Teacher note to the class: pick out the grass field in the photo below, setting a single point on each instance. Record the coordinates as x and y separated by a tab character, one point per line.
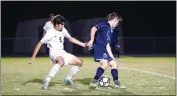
141	75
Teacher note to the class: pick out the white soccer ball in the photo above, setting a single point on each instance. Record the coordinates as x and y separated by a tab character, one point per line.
104	81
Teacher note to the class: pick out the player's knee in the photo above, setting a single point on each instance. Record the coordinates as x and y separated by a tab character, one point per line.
113	64
77	62
80	62
104	64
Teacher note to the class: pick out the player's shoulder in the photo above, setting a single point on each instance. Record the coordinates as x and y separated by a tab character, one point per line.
65	30
102	24
51	31
48	22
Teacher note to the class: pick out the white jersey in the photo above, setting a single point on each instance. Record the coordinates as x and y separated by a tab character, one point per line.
48	25
55	39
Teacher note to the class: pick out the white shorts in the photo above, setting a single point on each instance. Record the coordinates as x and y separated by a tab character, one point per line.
66	56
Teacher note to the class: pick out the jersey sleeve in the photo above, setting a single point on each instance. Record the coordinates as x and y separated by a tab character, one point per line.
48	36
67	35
108	36
99	25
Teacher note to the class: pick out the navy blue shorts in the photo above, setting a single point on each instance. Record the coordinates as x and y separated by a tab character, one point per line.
100	52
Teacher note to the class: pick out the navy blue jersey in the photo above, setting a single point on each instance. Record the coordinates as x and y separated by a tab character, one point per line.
103	34
102	38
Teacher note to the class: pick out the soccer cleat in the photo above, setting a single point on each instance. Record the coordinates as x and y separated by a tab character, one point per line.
45	84
94	83
70	82
119	85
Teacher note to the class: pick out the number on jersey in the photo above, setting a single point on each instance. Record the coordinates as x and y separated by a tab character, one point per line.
60	39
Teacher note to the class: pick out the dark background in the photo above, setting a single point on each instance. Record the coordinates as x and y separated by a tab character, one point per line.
140	19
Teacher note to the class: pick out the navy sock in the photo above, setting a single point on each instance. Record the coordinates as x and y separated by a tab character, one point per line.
114	73
99	72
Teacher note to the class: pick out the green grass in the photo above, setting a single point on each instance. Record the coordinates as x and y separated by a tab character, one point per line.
20	78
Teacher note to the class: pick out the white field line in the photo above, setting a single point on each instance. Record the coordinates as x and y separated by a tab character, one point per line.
149	72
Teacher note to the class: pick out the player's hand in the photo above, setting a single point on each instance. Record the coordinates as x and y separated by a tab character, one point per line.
90	45
87	46
30	61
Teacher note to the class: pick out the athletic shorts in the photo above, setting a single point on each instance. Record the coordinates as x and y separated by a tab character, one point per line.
100	53
66	56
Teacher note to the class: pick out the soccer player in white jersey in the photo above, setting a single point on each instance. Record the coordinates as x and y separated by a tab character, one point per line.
55	37
48	25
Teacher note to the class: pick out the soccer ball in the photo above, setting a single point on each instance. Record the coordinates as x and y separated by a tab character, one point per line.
104	81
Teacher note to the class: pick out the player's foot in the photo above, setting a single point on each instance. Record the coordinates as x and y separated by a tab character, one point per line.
119	85
94	83
45	84
70	82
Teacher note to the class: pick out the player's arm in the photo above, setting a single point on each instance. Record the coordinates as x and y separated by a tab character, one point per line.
46	37
108	48
92	36
72	39
75	41
36	50
108	41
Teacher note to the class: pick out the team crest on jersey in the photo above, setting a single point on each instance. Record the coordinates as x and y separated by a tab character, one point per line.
105	55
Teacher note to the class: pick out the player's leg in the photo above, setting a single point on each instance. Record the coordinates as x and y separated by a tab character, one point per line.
53	71
76	62
100	55
52	61
114	72
99	72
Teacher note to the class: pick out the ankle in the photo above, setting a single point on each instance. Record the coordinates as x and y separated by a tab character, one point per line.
48	78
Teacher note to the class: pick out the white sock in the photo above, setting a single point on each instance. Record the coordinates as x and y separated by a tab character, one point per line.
52	72
73	72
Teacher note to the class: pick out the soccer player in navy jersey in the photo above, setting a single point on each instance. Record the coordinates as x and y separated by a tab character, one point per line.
100	40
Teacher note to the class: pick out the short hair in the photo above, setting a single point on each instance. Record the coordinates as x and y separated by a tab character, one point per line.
113	15
58	19
50	16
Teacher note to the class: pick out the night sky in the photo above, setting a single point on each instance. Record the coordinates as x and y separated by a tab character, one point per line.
141	18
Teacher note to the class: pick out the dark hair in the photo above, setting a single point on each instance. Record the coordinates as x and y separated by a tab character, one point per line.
50	16
113	15
58	19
